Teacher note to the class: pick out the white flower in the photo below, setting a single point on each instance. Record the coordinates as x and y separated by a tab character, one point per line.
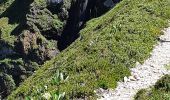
46	87
47	96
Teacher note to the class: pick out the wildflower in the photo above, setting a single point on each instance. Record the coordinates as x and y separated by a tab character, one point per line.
47	96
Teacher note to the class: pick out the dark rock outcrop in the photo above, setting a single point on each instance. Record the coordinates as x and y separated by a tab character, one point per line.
6	84
35	47
54	2
80	12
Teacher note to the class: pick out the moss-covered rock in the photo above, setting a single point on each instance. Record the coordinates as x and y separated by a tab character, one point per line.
35	47
42	20
16	71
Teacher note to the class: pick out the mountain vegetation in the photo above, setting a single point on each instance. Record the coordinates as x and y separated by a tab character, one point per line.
69	48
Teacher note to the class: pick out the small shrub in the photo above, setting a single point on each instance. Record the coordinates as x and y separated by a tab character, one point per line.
42	91
163	83
5	32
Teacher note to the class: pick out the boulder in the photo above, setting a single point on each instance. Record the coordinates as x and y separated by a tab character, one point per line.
35	47
7	84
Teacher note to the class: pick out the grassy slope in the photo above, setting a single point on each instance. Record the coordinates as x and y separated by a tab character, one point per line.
106	49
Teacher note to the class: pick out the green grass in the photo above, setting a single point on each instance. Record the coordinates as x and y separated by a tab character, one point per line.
107	47
167	66
5	32
161	91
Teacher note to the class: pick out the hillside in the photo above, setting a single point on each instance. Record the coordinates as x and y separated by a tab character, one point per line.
48	43
106	48
34	31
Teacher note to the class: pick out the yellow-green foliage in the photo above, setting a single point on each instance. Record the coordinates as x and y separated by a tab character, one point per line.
5	4
40	2
107	47
167	66
5	31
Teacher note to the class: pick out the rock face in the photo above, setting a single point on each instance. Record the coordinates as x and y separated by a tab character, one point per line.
47	22
80	12
25	45
36	48
54	2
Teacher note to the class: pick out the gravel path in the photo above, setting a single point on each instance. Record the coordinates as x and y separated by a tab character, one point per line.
143	76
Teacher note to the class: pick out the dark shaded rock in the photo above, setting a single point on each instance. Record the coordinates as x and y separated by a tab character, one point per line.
80	12
54	2
35	47
13	72
41	19
109	3
7	84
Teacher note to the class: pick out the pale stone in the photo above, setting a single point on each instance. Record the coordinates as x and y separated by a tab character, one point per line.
132	78
125	79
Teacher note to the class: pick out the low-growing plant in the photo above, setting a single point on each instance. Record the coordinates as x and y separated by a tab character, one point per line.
59	78
163	83
42	91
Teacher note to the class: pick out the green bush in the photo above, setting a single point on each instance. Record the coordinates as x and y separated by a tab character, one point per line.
163	83
5	32
42	91
141	95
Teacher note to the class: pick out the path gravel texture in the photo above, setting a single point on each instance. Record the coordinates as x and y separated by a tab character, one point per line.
142	76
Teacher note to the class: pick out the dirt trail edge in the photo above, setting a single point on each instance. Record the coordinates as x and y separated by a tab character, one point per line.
145	75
